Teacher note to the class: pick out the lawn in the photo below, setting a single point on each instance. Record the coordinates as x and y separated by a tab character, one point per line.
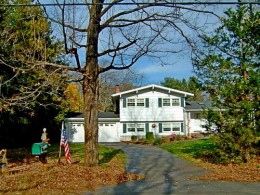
193	150
33	177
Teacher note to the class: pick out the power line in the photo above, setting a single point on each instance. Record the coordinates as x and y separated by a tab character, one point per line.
131	3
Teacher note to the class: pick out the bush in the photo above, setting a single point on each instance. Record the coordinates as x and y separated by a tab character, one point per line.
134	138
149	136
157	141
166	139
172	137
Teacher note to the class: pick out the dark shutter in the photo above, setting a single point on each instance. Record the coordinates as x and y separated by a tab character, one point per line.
182	127
124	128
182	101
124	102
146	127
147	102
160	127
159	102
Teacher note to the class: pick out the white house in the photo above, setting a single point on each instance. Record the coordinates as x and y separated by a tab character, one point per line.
153	108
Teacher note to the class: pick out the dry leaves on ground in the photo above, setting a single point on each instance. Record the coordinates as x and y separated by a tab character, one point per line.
249	172
56	179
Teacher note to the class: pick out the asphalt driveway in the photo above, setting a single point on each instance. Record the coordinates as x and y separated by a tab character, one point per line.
167	174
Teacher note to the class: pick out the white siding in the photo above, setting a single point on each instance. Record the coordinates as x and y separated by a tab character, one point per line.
153	112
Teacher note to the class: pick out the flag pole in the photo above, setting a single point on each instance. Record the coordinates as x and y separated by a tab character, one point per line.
62	127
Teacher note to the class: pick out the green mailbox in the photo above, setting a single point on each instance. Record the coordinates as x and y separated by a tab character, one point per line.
39	148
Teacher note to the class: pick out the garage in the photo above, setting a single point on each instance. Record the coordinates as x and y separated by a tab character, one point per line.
107	124
108	132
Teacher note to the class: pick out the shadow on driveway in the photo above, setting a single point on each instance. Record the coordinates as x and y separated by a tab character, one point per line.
167	174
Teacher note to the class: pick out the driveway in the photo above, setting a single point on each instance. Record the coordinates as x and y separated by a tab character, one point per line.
167	174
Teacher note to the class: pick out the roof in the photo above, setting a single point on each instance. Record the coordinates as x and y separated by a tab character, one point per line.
198	105
152	87
103	115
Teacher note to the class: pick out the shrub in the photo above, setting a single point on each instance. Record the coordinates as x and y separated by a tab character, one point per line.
157	141
149	136
172	137
166	139
134	138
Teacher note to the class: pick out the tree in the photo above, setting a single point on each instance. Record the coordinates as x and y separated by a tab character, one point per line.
126	80
28	90
191	86
74	97
120	33
228	69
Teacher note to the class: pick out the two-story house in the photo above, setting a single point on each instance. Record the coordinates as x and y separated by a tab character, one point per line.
151	108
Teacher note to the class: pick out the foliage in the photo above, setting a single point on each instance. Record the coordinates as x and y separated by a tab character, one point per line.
228	69
134	138
149	136
73	94
31	94
190	85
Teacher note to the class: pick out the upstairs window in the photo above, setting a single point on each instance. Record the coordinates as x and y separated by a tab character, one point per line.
166	101
131	102
140	102
175	102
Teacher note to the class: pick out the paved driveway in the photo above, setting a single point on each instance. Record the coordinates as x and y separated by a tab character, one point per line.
166	174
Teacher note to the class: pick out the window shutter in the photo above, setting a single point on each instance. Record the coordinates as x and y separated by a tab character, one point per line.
147	102
146	127
124	128
159	102
182	127
160	127
182	101
124	102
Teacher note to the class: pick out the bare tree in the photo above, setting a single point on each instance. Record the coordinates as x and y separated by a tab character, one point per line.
120	32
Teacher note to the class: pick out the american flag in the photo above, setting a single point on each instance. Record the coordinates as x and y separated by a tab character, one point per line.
64	143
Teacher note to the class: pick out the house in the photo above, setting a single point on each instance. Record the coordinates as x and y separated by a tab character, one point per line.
153	108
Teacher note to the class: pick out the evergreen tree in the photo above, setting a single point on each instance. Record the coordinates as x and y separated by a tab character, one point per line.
30	94
228	69
191	86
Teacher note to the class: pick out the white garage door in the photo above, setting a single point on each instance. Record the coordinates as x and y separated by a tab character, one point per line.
108	132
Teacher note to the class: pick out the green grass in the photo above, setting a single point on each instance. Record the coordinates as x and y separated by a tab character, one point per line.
190	150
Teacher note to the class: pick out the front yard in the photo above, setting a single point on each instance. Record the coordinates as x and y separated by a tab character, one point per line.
193	151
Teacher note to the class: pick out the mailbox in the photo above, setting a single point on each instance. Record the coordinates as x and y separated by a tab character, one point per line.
39	148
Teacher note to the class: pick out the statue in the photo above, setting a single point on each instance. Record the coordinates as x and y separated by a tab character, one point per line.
44	136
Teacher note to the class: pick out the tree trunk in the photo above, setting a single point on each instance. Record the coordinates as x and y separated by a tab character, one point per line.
91	87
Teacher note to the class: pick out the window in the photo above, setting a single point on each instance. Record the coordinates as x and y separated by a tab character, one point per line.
140	102
139	127
135	102
166	126
130	102
176	127
166	102
131	127
175	102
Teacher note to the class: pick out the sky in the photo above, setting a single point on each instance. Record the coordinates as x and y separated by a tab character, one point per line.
180	68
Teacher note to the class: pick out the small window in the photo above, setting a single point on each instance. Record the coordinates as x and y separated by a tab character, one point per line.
175	102
131	127
166	102
140	102
130	102
166	127
140	127
176	127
